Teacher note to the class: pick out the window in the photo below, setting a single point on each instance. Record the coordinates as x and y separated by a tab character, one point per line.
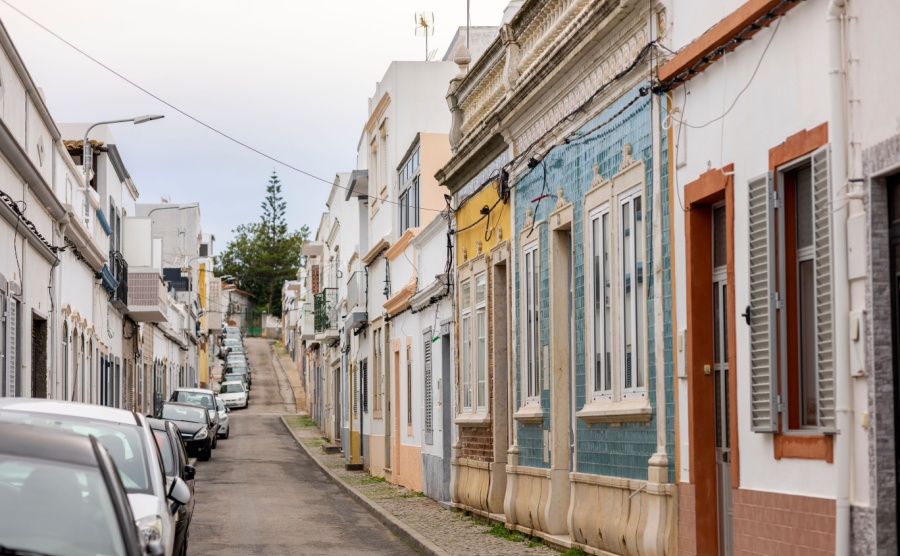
364	378
532	339
65	361
792	373
465	366
408	180
376	361
631	233
429	386
481	341
601	313
409	389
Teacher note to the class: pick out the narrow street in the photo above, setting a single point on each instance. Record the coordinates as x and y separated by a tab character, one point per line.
261	494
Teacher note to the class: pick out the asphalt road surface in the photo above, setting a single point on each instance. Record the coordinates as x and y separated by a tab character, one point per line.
260	494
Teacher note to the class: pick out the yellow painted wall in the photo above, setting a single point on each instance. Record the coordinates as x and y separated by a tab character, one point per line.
203	371
470	212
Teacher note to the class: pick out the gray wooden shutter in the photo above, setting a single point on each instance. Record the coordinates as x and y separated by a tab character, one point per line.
763	306
824	317
12	346
429	387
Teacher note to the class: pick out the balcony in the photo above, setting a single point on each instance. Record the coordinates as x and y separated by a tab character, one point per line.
307	322
119	267
356	301
146	296
326	313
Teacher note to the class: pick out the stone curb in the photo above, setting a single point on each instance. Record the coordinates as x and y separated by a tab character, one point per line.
417	541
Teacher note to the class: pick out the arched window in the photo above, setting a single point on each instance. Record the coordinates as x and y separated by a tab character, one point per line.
89	372
82	371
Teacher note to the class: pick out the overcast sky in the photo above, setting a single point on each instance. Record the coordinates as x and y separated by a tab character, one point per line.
290	77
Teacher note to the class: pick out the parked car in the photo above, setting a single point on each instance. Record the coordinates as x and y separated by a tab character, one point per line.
197	431
231	331
175	464
130	442
235	351
233	394
200	396
238	368
224	421
60	494
240	377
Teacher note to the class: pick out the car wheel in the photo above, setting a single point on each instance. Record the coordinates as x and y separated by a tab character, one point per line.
204	456
215	441
227	432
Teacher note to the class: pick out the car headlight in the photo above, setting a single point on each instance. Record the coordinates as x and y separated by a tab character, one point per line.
151	528
201	435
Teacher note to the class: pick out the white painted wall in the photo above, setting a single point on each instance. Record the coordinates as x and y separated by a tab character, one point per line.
788	94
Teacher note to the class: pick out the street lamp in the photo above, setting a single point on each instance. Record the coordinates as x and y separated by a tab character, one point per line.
87	149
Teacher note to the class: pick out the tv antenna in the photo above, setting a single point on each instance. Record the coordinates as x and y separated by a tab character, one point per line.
425	28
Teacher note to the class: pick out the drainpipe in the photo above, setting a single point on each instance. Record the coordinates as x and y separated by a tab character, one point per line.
837	128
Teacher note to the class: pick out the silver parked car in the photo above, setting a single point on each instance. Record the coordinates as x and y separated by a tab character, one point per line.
129	440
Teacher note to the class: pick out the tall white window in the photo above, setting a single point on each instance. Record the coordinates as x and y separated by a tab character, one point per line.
481	340
465	367
65	362
532	338
601	312
631	234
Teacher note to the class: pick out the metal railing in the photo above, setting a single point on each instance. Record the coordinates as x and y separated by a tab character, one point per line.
326	304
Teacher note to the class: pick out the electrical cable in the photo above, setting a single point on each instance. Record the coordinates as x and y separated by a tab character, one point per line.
184	113
742	91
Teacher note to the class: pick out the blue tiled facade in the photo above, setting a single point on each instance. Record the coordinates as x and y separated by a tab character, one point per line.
620	449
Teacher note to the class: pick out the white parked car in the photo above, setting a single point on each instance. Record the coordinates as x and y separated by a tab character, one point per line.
224	421
129	440
233	394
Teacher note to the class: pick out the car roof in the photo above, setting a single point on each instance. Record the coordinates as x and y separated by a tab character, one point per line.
47	444
183	404
72	409
232	382
194	390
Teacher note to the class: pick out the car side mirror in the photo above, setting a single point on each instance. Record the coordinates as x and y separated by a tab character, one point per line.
227	410
189	472
180	493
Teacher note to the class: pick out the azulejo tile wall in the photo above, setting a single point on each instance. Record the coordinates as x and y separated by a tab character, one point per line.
622	449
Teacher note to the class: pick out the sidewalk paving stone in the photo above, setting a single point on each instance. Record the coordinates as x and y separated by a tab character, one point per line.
436	529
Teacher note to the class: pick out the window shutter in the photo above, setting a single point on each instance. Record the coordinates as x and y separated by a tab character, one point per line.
824	317
364	378
12	346
429	386
763	310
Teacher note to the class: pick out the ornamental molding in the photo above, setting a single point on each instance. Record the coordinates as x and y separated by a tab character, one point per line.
603	73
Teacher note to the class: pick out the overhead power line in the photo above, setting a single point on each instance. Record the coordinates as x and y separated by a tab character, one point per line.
182	112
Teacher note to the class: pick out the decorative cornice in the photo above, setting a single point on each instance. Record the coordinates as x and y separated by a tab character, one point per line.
402	242
434	290
401	300
378	112
380	246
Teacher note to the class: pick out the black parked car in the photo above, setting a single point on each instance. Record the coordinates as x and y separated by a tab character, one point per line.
60	493
175	462
197	431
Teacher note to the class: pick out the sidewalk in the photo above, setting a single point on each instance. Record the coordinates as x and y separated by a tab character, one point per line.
420	521
290	370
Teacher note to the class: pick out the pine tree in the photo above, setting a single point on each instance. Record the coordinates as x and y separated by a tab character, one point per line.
262	255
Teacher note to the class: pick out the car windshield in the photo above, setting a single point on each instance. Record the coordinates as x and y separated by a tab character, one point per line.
234	377
162	440
123	442
184	413
56	508
232	388
197	398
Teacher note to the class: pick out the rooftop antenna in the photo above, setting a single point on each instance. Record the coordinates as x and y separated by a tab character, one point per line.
425	27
